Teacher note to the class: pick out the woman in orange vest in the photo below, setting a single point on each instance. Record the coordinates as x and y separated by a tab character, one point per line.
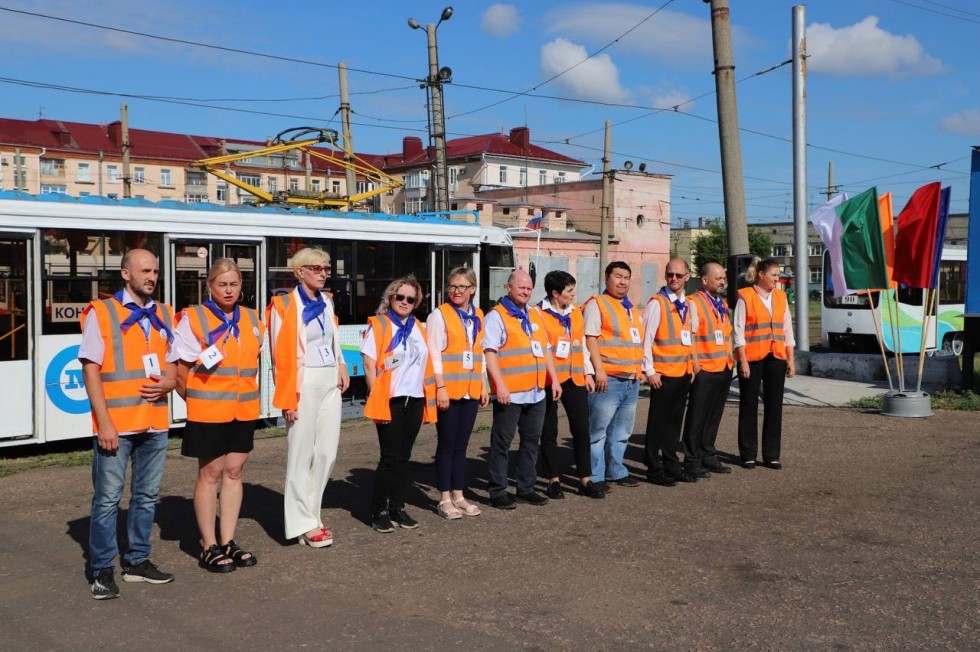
763	340
455	330
310	377
217	345
565	327
402	386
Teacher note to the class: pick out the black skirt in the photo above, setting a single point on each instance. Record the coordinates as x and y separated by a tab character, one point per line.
210	440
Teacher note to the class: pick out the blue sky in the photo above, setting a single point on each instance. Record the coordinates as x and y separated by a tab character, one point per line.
892	84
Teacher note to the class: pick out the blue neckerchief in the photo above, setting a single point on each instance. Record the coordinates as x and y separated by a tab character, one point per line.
719	305
564	320
312	308
517	313
625	301
228	327
404	330
680	305
469	317
136	313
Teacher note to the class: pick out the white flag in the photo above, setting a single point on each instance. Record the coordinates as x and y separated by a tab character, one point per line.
828	227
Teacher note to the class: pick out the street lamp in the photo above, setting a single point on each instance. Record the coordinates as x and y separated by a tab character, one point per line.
437	77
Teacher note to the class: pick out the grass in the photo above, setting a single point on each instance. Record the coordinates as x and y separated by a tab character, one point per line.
945	400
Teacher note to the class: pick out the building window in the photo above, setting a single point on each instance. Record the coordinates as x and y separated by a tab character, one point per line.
112	173
54	190
454	174
816	275
273	184
139	175
221	194
559	177
166	178
52	166
782	250
254	180
84	194
364	186
195	198
196	178
293	184
84	173
523	176
815	249
316	185
503	174
413	205
417	179
335	187
20	180
542	177
506	211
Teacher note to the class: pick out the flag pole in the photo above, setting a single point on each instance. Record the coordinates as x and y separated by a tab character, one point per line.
930	298
896	338
881	339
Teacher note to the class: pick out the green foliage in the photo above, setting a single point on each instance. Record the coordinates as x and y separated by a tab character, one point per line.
712	247
945	400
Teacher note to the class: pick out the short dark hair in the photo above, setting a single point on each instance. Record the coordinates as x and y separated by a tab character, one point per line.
618	264
556	281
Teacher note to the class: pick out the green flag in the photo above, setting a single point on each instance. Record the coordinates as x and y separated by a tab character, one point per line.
862	249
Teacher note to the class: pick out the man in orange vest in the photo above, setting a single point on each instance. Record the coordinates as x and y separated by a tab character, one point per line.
125	340
520	366
713	363
614	337
667	362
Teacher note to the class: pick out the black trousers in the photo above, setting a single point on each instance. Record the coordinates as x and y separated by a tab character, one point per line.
664	422
575	400
396	439
705	407
770	372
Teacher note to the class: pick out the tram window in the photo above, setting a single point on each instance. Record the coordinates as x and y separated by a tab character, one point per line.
14	311
909	295
281	279
952	282
82	266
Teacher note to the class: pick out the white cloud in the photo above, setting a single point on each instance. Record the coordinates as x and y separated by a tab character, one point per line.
866	50
965	122
500	20
595	79
671	98
669	35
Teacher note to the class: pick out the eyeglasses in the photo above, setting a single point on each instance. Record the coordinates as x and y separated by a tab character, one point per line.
409	300
459	288
317	269
675	274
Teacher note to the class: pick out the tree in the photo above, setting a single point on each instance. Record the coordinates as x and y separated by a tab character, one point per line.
712	247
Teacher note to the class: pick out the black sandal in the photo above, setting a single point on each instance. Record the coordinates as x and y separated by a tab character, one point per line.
233	552
211	559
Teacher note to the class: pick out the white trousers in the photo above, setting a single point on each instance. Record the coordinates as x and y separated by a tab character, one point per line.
311	449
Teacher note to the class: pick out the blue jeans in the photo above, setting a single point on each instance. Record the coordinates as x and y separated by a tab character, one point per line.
148	451
611	418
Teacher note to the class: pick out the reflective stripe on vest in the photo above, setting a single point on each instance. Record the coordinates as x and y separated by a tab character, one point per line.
574	365
711	356
670	357
461	382
620	355
522	371
763	334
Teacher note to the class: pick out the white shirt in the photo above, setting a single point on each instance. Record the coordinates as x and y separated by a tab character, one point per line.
406	379
494	339
188	348
435	329
304	343
651	321
738	320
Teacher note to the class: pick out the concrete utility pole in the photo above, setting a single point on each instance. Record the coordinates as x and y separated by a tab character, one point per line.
606	200
830	180
127	179
19	172
731	149
801	263
348	143
101	162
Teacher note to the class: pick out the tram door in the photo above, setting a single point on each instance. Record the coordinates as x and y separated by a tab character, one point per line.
190	259
16	337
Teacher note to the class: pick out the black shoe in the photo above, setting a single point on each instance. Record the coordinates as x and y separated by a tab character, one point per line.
682	476
145	571
591	490
504	501
602	486
382	522
104	585
401	518
698	473
718	468
627	481
774	465
661	480
748	464
554	491
533	498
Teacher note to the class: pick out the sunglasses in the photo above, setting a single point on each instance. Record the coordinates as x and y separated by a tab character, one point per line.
409	300
459	288
675	274
317	269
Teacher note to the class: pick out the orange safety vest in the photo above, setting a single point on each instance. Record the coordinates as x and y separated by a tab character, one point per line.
574	365
711	355
459	381
522	371
285	355
122	366
377	407
763	333
670	356
620	355
229	390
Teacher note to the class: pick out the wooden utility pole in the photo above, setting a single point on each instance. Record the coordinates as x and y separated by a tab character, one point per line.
605	211
124	126
348	143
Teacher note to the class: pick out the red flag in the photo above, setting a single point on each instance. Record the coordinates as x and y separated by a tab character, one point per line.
915	241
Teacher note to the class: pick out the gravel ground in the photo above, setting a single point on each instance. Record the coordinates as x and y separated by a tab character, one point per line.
866	540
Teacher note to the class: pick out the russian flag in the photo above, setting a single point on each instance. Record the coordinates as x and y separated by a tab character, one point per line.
536	222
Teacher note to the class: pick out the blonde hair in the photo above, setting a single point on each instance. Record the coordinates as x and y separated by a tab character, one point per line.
309	256
392	290
222	266
751	272
465	272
